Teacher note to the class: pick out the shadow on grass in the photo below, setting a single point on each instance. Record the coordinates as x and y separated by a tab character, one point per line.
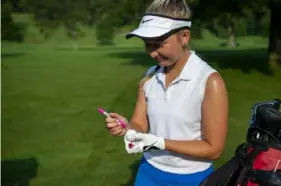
244	60
134	168
11	54
18	172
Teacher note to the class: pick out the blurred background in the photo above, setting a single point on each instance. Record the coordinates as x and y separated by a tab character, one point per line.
61	60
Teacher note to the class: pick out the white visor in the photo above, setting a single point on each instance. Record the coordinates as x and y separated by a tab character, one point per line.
154	26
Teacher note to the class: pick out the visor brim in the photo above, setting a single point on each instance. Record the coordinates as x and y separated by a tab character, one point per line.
152	33
148	32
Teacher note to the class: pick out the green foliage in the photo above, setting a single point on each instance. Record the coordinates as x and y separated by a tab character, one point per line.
245	24
196	30
265	24
104	32
240	27
105	18
219	29
10	30
52	14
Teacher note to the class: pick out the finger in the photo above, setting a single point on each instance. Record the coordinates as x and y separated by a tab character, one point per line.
140	147
117	116
110	120
130	135
114	115
118	128
122	133
116	132
138	137
112	125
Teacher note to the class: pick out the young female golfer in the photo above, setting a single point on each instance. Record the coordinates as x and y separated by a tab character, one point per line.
181	115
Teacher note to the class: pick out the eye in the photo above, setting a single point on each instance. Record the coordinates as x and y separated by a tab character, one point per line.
147	45
163	43
152	45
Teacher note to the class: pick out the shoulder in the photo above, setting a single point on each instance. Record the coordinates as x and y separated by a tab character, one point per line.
215	79
215	85
151	70
202	68
215	95
211	81
148	75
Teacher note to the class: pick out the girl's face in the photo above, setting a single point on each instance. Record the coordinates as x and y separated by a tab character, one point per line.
169	50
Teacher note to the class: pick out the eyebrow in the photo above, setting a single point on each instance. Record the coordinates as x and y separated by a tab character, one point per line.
155	41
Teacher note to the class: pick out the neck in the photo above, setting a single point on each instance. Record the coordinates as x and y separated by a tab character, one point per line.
178	66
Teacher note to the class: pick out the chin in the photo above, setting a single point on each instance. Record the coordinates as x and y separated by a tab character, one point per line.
165	63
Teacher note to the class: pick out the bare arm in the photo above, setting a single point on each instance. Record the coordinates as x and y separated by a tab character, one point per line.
214	124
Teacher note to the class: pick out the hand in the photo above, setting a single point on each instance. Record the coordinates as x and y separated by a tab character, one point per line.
113	124
132	147
142	142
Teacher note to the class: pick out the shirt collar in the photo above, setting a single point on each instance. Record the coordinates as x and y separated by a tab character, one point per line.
190	68
188	71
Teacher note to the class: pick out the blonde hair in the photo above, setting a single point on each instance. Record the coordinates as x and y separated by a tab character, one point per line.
172	8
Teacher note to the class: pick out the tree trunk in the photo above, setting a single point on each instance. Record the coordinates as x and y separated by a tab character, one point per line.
274	47
231	37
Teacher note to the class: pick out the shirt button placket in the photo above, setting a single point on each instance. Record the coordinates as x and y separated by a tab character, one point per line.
168	93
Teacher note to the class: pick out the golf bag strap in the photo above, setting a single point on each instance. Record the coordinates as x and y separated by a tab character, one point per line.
224	174
242	152
264	177
248	163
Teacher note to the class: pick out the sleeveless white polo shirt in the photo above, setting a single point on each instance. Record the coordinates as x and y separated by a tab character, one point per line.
175	113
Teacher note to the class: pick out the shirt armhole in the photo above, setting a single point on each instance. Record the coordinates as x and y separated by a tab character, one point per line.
204	83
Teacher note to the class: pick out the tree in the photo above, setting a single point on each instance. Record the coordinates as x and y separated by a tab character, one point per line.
51	15
114	14
234	8
10	31
274	48
109	15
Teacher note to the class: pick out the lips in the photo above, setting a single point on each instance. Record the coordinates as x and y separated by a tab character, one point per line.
161	59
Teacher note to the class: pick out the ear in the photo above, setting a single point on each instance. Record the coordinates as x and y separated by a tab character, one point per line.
185	35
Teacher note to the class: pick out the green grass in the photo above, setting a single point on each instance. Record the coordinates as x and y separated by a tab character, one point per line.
50	96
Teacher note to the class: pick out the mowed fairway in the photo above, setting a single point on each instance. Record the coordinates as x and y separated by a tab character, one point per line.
50	98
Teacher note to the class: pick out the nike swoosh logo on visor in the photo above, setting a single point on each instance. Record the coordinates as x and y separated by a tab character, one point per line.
144	21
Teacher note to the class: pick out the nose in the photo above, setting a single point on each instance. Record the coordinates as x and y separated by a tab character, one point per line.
153	53
152	49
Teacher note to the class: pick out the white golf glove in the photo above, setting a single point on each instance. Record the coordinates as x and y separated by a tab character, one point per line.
138	142
131	146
